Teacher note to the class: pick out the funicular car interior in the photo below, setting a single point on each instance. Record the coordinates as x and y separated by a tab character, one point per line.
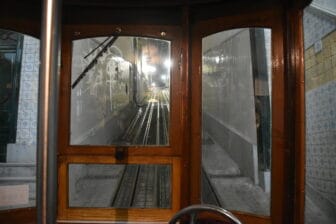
136	100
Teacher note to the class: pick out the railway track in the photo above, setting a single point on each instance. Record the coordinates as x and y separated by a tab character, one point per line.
147	186
149	126
144	186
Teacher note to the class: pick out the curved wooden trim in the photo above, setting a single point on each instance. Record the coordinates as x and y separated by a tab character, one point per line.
21	17
263	18
21	26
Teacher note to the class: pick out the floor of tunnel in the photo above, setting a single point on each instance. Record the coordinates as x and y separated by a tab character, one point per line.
230	189
123	186
314	214
224	185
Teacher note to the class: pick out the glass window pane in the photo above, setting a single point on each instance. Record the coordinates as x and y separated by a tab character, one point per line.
319	22
19	75
236	129
120	91
120	186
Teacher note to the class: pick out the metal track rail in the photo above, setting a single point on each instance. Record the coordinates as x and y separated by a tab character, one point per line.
143	186
149	126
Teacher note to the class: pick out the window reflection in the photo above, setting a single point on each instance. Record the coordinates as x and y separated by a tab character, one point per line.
120	91
236	110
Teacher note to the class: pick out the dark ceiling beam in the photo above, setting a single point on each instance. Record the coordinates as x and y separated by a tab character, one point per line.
139	4
297	4
150	3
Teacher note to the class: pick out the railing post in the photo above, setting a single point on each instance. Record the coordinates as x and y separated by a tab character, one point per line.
47	113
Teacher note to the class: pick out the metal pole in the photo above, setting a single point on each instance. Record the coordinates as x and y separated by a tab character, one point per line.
47	113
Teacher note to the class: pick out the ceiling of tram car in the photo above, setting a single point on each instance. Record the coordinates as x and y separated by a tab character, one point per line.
154	3
31	9
25	16
158	3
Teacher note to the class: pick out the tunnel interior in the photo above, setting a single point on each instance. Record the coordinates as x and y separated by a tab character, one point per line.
120	91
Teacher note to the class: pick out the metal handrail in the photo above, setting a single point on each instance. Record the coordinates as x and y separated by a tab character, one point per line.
194	209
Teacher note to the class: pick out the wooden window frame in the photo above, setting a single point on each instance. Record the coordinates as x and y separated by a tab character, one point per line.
274	20
171	154
66	214
74	32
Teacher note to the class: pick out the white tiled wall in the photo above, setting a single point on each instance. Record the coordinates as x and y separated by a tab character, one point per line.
27	112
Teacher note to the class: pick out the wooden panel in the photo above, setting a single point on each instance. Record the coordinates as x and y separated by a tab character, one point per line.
296	71
21	17
250	218
135	154
66	213
19	216
185	107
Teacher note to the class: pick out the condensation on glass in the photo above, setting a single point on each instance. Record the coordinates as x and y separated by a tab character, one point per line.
120	91
120	186
236	114
19	75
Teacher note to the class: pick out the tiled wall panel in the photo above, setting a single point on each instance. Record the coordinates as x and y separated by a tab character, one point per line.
27	115
24	149
316	25
321	140
320	72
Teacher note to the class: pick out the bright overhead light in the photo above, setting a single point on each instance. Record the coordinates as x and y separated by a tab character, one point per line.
217	59
167	63
148	69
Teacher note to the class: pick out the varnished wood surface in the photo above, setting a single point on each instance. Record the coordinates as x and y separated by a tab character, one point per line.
21	17
185	83
282	153
19	216
250	218
135	154
114	214
296	69
177	124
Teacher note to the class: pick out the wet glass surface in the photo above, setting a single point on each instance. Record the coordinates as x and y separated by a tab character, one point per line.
120	91
120	186
236	128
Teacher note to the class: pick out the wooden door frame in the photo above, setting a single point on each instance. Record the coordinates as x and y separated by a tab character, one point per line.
73	32
173	154
287	109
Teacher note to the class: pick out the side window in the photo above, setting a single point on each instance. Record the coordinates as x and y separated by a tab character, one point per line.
19	75
236	120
